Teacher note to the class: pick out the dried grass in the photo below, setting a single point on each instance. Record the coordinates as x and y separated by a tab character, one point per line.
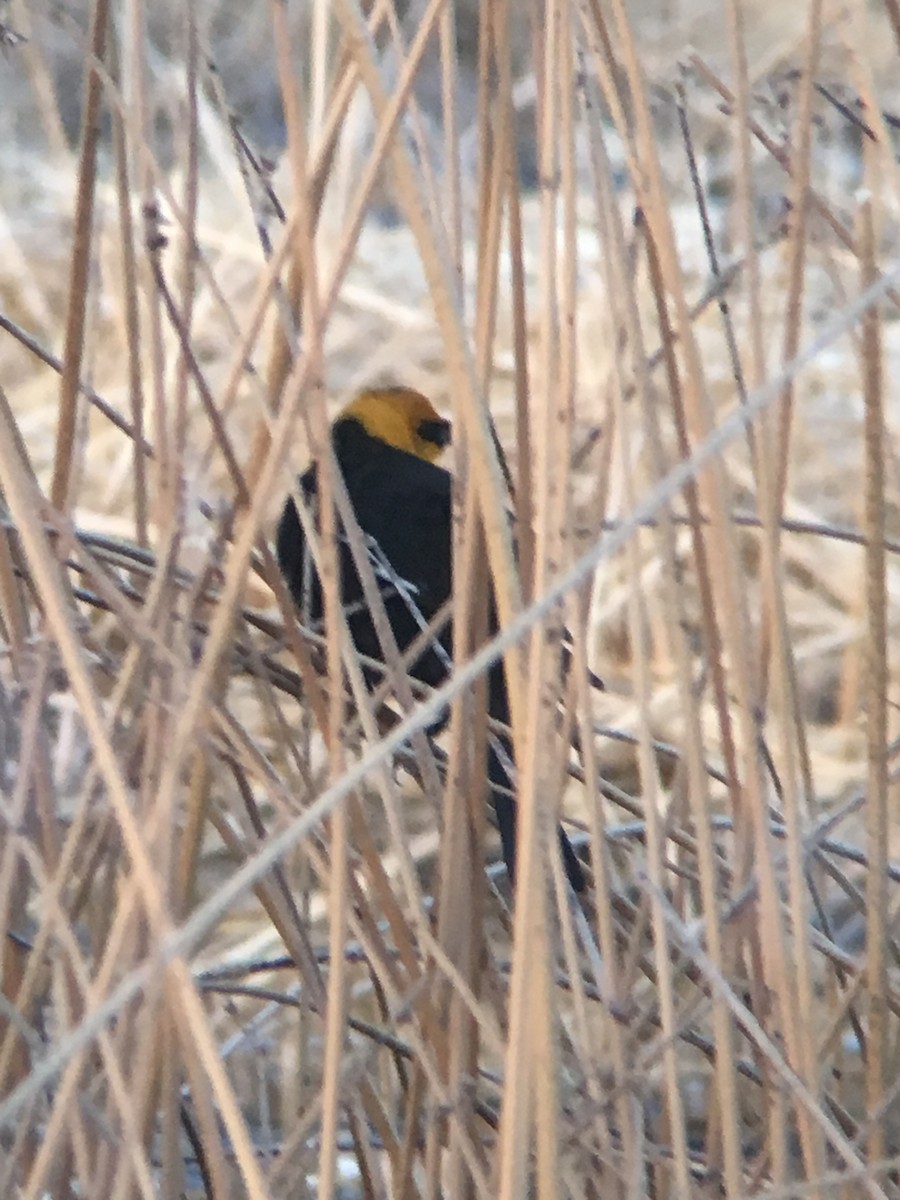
239	959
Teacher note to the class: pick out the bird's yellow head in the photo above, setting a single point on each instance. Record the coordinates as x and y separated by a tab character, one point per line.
403	418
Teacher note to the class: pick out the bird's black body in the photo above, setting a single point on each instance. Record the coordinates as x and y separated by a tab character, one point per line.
403	503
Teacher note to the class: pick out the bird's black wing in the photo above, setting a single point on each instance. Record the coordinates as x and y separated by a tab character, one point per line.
403	505
294	561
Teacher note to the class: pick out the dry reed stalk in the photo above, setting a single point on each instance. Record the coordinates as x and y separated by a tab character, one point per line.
877	664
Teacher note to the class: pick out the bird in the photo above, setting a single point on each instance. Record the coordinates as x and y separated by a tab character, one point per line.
386	442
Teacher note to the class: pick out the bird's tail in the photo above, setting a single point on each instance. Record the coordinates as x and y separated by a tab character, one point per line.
500	760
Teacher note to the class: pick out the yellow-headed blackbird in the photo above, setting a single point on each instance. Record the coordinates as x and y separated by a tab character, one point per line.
386	442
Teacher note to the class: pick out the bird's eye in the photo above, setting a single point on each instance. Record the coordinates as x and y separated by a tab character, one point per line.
437	432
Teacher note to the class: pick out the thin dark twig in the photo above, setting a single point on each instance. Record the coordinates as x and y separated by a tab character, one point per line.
847	112
34	346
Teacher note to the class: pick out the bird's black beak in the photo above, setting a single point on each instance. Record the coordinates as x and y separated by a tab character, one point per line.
436	432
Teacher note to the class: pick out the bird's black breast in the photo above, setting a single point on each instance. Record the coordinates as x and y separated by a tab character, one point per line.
403	503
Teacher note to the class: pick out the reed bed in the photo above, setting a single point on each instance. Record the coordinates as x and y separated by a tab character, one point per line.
256	940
